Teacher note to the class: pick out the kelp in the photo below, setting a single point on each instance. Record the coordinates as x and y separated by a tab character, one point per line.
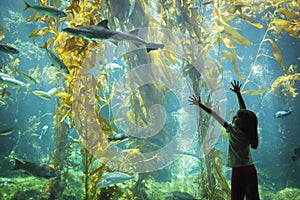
283	17
209	35
286	85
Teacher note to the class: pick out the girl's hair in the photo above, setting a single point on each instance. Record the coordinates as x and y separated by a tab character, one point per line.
249	126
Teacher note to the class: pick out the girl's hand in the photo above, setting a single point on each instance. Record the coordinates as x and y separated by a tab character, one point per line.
236	86
194	100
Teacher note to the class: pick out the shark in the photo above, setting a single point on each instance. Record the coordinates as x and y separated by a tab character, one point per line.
103	33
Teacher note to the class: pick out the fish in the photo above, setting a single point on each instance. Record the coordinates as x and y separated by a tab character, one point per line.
55	90
46	10
297	153
58	63
41	94
111	67
282	113
118	137
112	178
176	195
102	32
27	77
12	82
35	169
5	75
7	131
8	49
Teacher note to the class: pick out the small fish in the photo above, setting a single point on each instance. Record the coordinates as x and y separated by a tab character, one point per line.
102	32
8	49
7	131
55	90
35	169
12	82
49	11
118	137
176	195
297	153
113	66
5	75
58	63
282	113
41	94
208	2
113	178
27	77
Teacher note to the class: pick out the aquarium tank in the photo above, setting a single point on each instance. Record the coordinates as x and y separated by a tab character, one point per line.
94	97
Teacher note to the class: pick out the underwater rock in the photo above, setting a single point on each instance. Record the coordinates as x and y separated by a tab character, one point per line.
288	193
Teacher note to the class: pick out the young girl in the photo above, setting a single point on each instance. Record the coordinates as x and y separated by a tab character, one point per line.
242	133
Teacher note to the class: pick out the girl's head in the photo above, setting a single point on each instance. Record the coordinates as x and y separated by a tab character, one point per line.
246	120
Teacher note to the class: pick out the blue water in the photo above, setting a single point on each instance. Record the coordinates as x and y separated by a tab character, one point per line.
32	118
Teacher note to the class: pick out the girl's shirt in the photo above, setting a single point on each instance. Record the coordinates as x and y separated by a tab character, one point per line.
239	153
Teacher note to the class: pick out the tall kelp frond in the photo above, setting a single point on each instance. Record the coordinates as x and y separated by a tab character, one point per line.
281	15
287	84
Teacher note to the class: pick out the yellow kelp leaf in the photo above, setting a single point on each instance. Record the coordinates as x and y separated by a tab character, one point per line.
16	63
250	21
234	35
285	85
42	32
230	112
1	32
67	114
171	57
218	162
63	95
236	70
233	56
228	43
218	12
277	55
110	96
255	92
35	17
288	13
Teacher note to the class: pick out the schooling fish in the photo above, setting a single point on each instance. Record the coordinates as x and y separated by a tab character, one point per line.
35	169
50	11
102	32
41	94
8	49
118	137
12	82
27	77
7	131
112	178
58	63
179	195
282	113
